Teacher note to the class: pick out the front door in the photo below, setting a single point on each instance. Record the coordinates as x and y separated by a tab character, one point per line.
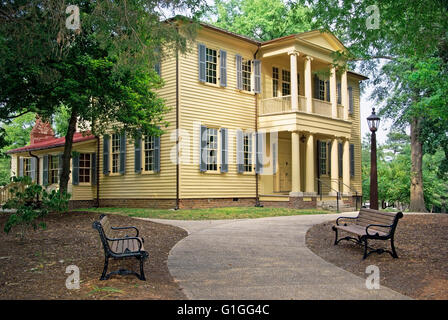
284	164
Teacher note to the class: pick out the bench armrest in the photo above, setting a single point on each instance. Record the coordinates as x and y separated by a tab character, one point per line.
337	220
123	228
128	238
376	225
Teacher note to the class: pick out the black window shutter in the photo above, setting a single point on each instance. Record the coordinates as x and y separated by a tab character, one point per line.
138	155
21	167
33	169
75	169
203	149
201	57
106	146
327	84
45	170
223	68
157	154
350	100
122	153
329	144
239	151
352	160
259	153
316	86
339	93
318	158
224	150
340	150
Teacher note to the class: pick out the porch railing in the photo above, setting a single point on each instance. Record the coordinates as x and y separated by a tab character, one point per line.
5	192
283	104
320	182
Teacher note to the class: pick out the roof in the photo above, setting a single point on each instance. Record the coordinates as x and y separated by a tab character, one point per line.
53	143
262	43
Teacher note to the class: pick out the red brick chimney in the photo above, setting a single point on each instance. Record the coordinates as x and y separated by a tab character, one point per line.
41	131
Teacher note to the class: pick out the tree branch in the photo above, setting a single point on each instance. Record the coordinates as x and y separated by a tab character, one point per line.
18	115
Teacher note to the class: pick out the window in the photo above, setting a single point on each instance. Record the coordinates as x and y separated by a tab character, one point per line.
247	152
27	167
84	167
247	72
115	153
274	81
211	65
149	150
323	158
53	169
321	89
212	149
286	83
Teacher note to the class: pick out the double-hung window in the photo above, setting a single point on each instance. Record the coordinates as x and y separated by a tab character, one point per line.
323	157
247	74
211	65
321	89
286	83
149	153
53	169
275	81
115	153
27	167
212	149
84	167
247	152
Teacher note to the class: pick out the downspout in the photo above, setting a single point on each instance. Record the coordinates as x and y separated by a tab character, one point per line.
177	129
257	196
97	204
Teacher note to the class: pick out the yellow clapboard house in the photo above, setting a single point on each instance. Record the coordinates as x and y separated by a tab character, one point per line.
274	123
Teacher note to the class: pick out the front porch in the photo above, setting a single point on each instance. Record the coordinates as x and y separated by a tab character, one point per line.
307	170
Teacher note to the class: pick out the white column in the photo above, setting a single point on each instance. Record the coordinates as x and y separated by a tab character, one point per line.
294	88
310	168
295	165
346	167
333	98
308	84
334	165
344	94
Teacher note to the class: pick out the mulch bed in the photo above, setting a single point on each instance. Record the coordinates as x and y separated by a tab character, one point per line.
421	272
35	268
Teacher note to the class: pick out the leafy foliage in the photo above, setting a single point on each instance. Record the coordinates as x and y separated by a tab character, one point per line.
394	163
28	210
261	19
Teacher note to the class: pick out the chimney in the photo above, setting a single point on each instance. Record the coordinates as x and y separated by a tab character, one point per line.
41	131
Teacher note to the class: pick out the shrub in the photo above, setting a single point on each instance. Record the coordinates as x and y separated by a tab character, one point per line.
31	203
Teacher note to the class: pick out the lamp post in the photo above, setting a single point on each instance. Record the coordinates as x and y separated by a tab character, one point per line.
373	120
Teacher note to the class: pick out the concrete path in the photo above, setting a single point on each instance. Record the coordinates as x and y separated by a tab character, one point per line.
260	259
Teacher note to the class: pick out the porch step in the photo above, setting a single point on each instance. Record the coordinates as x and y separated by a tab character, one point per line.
332	205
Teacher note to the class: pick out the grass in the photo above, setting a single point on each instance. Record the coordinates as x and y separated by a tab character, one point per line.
207	214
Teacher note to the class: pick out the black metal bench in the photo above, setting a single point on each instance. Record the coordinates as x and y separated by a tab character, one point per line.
120	248
369	224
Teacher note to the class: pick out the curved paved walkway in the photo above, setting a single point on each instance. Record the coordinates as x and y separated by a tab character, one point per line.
260	259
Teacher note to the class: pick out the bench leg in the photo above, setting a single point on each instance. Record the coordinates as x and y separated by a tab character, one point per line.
365	249
336	236
394	253
103	275
142	272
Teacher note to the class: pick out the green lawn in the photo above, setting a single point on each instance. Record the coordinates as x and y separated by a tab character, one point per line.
206	214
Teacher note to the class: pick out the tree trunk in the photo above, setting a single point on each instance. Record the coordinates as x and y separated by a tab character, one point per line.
65	175
417	200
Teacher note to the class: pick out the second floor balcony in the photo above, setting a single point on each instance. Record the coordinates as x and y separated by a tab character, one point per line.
284	104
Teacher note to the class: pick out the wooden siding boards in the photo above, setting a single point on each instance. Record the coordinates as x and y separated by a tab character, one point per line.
143	185
217	107
355	117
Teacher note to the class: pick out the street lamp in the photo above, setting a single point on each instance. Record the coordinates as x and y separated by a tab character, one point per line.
373	120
